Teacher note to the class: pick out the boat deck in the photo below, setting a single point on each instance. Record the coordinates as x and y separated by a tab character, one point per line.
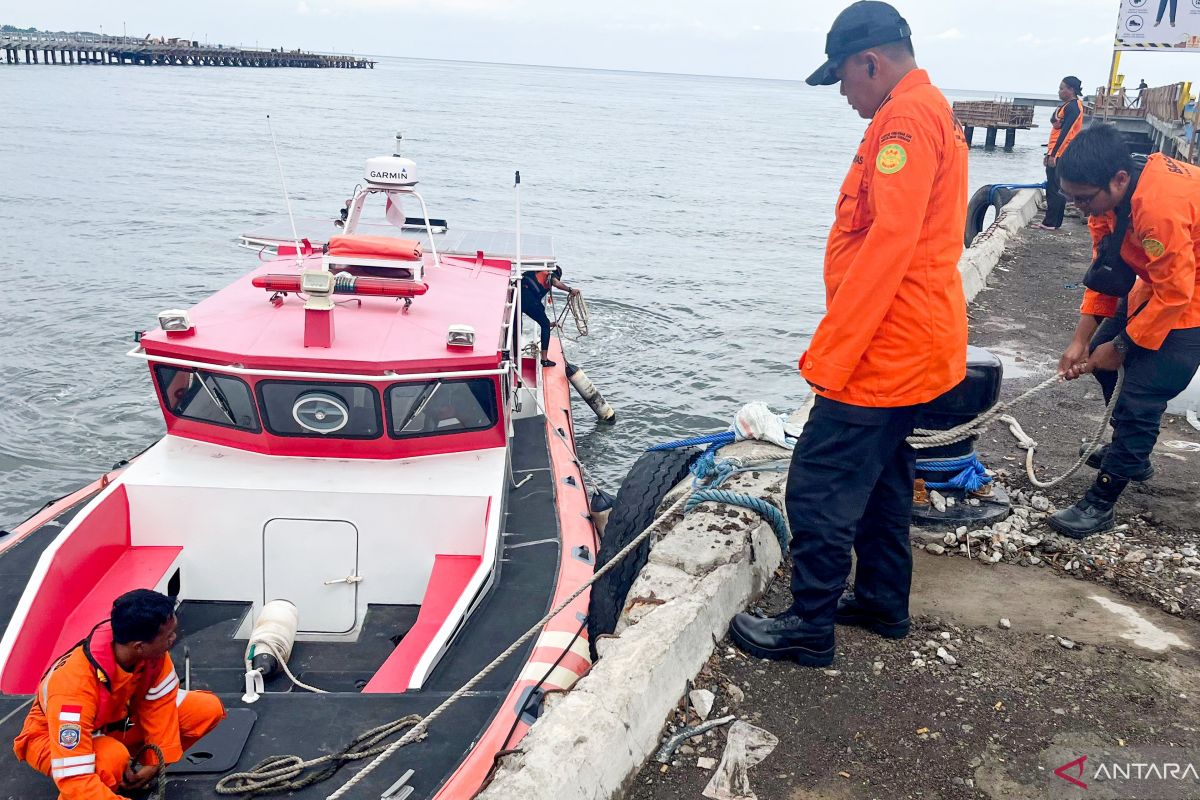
310	725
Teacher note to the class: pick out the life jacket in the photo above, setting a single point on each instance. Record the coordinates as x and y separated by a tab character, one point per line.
536	284
1057	133
97	649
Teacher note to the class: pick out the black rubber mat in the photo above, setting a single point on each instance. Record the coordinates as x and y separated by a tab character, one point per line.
310	725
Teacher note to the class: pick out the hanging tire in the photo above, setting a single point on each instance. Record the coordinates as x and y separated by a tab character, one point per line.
654	474
979	206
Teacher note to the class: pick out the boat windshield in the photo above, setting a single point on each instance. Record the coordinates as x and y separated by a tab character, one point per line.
207	397
436	407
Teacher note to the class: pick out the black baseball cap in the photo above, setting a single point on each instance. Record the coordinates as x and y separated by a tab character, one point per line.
859	27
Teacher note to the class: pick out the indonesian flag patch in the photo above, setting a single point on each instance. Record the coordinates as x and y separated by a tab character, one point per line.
69	713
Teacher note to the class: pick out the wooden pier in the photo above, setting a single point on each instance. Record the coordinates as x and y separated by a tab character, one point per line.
92	48
994	115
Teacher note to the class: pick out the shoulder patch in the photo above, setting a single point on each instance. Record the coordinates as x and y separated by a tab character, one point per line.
68	735
891	158
1153	247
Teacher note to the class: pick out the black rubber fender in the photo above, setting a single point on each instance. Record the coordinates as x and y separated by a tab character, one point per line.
978	207
654	474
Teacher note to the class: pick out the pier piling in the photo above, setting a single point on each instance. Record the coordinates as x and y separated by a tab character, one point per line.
91	48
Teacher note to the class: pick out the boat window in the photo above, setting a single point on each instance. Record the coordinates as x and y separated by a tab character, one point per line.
434	407
320	410
207	397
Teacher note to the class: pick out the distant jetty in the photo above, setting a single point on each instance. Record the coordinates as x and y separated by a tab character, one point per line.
39	47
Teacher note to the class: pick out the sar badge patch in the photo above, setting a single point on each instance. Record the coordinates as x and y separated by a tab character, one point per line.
891	159
68	736
1153	247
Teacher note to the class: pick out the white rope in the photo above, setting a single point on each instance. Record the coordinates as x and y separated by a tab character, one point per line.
270	647
924	438
1093	444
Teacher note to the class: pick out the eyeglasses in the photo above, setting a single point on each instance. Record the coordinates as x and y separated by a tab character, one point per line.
1083	200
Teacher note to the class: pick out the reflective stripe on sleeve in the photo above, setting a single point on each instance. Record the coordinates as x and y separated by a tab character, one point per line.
73	761
71	766
179	697
168	683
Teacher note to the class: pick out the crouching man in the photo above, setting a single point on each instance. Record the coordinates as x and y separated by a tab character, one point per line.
109	695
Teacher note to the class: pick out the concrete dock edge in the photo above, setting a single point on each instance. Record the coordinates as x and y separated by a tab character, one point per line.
978	260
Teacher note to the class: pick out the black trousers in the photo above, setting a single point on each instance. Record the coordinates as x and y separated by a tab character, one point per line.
1152	379
1056	203
535	309
850	488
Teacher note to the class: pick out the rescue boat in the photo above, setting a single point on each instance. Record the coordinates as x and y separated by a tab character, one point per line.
359	453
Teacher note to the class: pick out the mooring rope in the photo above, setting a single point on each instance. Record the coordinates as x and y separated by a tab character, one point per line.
277	774
923	438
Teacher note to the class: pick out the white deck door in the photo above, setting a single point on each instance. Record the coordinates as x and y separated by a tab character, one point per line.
314	564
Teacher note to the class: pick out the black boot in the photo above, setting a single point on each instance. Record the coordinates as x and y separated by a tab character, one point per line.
1096	459
851	612
1094	513
783	636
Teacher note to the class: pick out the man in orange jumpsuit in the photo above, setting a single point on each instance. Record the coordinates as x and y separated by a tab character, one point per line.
894	336
113	692
1145	227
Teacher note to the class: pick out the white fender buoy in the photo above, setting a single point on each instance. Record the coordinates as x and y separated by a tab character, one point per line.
591	395
273	636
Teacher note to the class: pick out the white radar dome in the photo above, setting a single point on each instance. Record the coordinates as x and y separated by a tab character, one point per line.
393	171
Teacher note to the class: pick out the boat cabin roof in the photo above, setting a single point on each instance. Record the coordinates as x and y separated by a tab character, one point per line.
240	324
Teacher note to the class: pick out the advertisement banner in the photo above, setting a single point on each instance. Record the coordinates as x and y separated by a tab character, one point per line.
1159	25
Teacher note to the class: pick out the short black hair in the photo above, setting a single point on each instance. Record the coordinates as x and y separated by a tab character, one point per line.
1095	156
897	49
138	616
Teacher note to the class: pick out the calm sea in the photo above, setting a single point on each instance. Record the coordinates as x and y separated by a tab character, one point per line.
692	211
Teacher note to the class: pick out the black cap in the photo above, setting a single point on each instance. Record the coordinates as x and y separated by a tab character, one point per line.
859	27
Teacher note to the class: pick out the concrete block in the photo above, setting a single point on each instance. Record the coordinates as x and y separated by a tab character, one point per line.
656	584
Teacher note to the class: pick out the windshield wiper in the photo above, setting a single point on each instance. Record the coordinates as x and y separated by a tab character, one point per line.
419	407
217	396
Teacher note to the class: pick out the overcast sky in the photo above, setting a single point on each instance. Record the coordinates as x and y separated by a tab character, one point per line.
1003	47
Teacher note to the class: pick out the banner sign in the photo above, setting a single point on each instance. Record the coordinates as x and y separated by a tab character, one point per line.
1172	25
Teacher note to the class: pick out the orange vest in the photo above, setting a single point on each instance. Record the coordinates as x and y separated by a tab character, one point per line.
1057	132
895	329
1163	248
87	690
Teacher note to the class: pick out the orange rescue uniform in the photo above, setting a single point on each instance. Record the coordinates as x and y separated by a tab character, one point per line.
1053	148
1162	247
74	731
895	333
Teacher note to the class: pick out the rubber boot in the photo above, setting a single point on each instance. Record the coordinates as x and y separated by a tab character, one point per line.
1094	513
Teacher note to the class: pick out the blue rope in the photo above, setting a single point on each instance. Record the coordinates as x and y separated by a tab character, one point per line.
766	510
971	475
725	437
995	186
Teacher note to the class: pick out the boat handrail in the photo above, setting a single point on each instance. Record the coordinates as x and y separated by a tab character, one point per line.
390	376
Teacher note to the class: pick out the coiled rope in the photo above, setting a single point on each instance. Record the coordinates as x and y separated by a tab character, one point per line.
277	774
576	306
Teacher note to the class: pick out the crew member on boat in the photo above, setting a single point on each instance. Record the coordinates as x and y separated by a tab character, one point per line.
534	288
1141	310
111	694
894	336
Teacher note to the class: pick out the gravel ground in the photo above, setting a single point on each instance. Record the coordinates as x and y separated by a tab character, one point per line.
1034	651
